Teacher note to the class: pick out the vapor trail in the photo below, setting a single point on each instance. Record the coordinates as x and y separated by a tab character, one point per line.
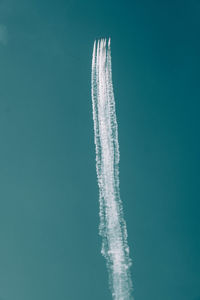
112	225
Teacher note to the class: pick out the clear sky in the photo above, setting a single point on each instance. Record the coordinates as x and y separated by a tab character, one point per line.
50	248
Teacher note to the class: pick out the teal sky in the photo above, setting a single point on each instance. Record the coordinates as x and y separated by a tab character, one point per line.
50	248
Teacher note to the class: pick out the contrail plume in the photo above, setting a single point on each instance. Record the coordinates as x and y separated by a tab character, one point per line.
112	226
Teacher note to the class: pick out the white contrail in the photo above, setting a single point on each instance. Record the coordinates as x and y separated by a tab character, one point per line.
112	225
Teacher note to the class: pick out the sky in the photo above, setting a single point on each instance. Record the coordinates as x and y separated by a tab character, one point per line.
50	247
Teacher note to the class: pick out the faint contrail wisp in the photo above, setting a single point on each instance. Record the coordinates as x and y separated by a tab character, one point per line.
112	224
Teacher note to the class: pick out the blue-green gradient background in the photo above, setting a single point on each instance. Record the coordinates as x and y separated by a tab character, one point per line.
49	243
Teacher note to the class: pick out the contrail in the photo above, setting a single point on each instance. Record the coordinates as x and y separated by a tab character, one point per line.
112	224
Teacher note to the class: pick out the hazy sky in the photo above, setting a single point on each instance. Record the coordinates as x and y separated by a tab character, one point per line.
50	248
